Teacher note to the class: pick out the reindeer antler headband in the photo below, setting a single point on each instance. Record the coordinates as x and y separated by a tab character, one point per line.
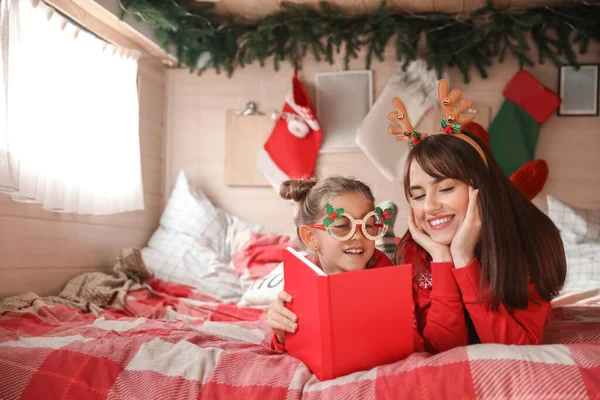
451	122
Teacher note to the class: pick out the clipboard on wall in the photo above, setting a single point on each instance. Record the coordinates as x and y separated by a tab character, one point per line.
244	137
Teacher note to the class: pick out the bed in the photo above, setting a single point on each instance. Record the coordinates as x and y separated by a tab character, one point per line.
142	333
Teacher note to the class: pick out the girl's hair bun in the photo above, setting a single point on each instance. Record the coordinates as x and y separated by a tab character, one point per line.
296	189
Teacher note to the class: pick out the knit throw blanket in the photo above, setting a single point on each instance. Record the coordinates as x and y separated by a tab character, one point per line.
90	291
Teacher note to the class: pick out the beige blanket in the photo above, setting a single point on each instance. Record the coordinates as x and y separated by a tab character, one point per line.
90	291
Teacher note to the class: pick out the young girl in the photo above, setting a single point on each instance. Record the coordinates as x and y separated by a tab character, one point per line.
508	258
338	244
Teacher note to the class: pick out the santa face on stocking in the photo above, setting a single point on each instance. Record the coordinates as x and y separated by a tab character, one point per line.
291	150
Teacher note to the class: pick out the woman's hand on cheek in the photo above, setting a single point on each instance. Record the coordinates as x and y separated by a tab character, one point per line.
438	252
467	236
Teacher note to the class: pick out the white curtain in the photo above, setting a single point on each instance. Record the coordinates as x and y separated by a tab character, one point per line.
69	115
9	165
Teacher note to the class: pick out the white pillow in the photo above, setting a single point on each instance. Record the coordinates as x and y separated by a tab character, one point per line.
190	245
176	257
264	291
190	212
580	232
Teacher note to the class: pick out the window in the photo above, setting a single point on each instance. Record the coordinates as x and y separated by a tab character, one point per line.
69	115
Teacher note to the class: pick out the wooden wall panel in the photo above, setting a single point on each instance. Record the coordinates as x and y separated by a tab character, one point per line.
40	280
30	242
196	135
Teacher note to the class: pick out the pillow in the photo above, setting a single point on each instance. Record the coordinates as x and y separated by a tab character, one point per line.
176	257
259	254
189	212
238	234
580	232
191	244
264	291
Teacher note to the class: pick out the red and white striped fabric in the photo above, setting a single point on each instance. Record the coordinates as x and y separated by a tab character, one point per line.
204	350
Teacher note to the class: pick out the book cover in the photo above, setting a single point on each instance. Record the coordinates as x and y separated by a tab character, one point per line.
350	321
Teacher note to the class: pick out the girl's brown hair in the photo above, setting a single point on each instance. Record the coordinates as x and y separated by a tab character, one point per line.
518	242
312	196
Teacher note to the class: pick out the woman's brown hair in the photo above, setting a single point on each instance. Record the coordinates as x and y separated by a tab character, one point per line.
518	242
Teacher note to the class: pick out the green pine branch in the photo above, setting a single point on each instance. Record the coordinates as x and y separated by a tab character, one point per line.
476	41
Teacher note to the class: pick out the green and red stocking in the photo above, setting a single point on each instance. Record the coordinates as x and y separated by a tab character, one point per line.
515	129
513	134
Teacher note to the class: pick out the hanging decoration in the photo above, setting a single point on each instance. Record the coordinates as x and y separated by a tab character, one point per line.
468	41
292	148
515	129
418	85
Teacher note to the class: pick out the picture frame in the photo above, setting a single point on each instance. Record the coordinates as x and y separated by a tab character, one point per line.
578	89
343	100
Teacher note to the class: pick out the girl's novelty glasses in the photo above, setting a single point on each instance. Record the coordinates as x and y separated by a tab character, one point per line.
342	226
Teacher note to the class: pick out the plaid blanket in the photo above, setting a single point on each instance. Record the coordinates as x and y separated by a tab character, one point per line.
57	352
158	340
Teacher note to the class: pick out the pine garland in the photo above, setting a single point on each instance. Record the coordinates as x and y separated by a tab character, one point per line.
474	40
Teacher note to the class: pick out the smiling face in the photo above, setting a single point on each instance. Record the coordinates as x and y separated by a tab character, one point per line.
349	255
439	204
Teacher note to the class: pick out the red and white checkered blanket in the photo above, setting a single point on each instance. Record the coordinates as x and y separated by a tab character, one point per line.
198	349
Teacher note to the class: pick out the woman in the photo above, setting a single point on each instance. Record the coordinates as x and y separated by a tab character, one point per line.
507	255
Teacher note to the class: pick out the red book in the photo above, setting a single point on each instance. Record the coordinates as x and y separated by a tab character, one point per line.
351	321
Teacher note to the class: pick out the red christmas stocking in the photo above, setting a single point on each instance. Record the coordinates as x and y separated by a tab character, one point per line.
291	150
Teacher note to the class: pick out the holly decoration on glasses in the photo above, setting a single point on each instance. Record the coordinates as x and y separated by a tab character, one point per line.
386	215
332	214
449	128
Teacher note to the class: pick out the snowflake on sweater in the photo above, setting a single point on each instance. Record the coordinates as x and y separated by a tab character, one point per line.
425	280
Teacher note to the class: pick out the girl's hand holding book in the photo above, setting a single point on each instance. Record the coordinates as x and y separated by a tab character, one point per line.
280	318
